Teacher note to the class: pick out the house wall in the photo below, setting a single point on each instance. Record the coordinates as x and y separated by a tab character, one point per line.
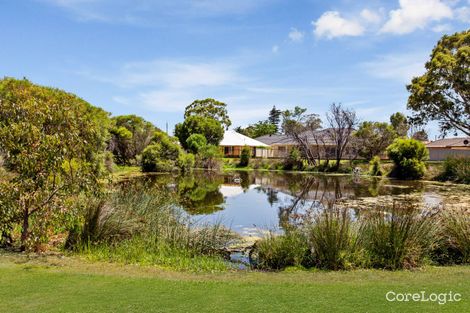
440	154
235	151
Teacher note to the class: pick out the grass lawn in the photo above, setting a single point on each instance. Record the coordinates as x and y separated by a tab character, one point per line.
55	284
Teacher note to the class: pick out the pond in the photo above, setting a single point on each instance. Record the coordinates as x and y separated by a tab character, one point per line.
252	202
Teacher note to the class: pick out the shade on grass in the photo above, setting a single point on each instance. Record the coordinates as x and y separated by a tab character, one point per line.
88	288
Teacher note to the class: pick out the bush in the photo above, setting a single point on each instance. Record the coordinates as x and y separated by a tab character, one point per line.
210	158
454	247
186	162
245	156
399	237
332	239
456	169
277	252
294	161
162	155
196	142
408	156
374	167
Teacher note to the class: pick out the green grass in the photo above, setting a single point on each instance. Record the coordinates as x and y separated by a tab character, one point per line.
55	284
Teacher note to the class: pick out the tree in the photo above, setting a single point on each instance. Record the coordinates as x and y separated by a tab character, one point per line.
209	108
54	144
420	135
259	129
303	129
245	156
372	138
399	124
161	155
341	122
210	128
129	137
275	118
196	142
443	92
408	156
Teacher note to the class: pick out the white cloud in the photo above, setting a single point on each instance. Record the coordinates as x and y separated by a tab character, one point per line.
275	49
463	14
442	28
370	16
398	67
415	14
331	25
295	35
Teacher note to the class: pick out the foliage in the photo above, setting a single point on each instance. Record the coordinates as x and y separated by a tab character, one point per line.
209	108
210	128
275	118
186	162
456	169
209	158
137	223
374	167
455	243
258	129
196	142
130	135
54	143
294	160
372	138
443	92
408	156
275	252
420	135
245	156
398	237
161	155
400	124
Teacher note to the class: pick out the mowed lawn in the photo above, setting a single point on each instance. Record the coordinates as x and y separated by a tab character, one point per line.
71	285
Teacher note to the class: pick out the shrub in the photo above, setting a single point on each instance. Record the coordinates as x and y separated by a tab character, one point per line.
454	247
186	162
245	156
398	237
210	158
374	167
456	169
408	156
162	155
277	252
294	161
332	238
196	142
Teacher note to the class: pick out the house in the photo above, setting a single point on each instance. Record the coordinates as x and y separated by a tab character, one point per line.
233	143
441	149
281	145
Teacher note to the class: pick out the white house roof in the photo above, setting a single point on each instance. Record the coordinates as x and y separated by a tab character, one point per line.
232	138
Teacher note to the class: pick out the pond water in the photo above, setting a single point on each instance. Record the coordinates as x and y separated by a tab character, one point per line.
253	202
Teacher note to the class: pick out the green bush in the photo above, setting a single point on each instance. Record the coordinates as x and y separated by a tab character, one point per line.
186	162
294	161
374	167
456	169
162	155
454	247
408	156
196	142
398	237
245	156
276	252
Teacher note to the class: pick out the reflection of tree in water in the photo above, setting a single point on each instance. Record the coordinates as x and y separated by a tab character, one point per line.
200	194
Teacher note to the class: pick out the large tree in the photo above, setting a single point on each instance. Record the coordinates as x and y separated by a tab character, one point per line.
372	138
206	126
209	108
53	143
258	129
275	118
130	135
443	92
400	124
341	124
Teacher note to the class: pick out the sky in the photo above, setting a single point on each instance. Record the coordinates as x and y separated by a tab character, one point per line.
153	58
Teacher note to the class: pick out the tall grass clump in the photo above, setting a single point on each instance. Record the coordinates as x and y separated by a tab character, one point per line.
456	169
332	238
276	251
136	223
454	245
401	236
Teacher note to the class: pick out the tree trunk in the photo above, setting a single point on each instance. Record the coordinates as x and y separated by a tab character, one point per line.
25	230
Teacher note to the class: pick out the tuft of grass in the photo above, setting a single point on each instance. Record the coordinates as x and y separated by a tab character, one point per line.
454	245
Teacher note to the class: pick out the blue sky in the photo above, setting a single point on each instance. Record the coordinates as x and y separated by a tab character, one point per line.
153	58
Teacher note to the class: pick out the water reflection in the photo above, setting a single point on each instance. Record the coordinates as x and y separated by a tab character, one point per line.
247	201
